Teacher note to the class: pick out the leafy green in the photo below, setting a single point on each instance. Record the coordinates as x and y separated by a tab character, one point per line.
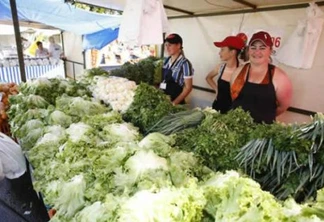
176	122
59	118
77	107
50	89
71	199
169	204
148	107
141	72
117	132
218	138
231	197
99	121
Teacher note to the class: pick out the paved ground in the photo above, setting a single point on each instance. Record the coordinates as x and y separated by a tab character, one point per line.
19	202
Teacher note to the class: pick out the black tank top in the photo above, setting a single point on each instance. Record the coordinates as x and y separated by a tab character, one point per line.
258	99
223	100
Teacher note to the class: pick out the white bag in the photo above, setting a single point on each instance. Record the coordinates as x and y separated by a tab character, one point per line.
12	160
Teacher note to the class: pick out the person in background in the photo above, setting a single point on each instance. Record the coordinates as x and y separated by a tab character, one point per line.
259	87
177	70
230	49
55	51
41	51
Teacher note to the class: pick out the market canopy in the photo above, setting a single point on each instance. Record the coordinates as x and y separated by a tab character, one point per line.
57	14
66	17
192	8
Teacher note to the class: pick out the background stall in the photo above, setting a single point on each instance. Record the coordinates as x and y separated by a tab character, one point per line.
201	22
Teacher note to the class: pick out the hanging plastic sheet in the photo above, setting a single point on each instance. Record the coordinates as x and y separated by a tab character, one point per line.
143	23
100	39
300	48
60	15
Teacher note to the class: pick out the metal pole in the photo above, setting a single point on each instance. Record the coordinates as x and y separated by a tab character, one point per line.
64	60
162	47
83	56
18	40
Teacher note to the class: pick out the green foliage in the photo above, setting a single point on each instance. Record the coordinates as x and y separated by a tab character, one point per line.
143	71
176	122
218	138
148	107
49	89
286	159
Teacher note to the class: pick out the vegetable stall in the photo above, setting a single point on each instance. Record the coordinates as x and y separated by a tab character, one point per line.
112	147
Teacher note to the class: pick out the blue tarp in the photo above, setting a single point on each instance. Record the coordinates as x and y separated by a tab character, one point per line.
66	17
100	39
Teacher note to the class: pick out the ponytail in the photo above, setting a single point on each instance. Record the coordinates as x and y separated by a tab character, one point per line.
243	55
238	53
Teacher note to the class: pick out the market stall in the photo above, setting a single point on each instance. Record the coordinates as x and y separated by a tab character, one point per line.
112	147
127	157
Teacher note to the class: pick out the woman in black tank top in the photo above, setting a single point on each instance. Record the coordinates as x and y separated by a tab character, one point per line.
259	87
230	50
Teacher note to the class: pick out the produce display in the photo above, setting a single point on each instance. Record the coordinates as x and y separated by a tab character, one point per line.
116	91
6	90
142	72
136	157
148	107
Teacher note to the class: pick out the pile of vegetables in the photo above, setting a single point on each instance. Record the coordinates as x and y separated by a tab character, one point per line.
148	70
49	89
287	159
148	107
143	71
93	163
6	90
218	139
176	122
116	91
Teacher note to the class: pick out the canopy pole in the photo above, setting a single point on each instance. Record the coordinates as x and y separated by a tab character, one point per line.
15	20
162	46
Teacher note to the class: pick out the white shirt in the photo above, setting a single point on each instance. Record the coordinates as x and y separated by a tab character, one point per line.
42	53
12	160
55	50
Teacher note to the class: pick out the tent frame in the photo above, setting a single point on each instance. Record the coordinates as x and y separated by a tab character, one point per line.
263	9
15	20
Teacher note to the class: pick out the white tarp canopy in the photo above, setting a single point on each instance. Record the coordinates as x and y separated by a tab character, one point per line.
199	7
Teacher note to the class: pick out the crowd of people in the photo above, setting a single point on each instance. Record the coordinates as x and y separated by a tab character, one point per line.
245	78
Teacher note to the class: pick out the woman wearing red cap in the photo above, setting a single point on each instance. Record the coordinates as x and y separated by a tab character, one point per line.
177	71
231	47
259	87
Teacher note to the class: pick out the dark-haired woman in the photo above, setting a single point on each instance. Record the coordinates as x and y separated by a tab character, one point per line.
230	49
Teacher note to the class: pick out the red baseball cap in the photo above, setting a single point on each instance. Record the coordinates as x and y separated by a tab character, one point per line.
263	37
231	41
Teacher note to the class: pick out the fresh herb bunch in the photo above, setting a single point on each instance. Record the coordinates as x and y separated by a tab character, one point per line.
272	155
174	123
143	71
148	107
158	72
90	73
218	139
272	148
286	160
